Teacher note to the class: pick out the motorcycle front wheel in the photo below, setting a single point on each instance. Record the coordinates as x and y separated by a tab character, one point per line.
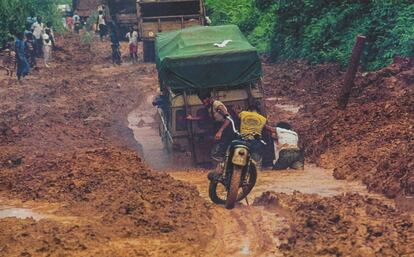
218	193
234	187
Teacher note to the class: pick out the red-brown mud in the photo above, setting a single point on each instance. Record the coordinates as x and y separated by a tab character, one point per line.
66	154
372	140
65	140
344	225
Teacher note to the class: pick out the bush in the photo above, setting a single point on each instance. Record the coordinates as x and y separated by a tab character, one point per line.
322	30
13	14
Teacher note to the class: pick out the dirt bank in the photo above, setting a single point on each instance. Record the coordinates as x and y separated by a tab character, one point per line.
375	134
64	139
67	155
344	225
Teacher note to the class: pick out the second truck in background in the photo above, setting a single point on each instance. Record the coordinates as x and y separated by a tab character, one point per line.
153	16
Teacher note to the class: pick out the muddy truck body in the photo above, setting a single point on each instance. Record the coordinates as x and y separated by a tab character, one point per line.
156	16
214	58
150	17
86	8
124	13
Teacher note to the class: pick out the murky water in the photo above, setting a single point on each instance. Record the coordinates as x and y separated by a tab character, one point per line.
20	213
311	180
293	109
405	203
143	123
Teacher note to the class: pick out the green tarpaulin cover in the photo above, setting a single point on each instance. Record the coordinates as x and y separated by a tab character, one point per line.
189	58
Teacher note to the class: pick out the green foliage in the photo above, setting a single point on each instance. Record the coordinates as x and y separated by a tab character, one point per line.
244	14
92	20
13	14
322	30
86	38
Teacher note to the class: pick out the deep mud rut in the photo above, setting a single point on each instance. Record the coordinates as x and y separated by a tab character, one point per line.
86	182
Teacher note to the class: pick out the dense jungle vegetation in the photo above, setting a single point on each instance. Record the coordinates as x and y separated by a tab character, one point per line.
13	14
315	30
322	30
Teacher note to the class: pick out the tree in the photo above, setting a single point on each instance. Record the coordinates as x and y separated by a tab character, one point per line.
13	14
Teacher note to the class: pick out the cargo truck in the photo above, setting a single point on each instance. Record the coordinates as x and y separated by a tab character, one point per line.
216	58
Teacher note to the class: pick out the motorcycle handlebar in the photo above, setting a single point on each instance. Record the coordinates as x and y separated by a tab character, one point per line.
228	117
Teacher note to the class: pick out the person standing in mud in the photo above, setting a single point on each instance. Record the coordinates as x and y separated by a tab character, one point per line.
47	47
116	53
76	23
132	37
52	35
101	25
38	31
30	50
287	151
223	132
23	67
30	20
69	23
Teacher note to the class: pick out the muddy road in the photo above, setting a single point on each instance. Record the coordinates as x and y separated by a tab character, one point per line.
83	173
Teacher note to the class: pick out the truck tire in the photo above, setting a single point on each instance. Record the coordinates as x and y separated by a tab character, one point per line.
149	51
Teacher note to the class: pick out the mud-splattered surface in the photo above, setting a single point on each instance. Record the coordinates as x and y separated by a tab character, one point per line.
345	225
74	181
65	140
372	140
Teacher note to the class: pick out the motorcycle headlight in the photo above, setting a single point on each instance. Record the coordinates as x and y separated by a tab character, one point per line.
240	156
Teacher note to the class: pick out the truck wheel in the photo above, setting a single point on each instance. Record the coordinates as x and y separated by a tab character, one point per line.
149	51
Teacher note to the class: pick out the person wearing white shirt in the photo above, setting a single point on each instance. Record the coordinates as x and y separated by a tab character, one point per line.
132	37
76	22
287	151
101	25
38	30
47	47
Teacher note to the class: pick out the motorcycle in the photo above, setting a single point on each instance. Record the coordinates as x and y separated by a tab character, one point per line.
239	171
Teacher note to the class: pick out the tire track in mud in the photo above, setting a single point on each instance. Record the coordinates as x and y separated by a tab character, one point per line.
244	231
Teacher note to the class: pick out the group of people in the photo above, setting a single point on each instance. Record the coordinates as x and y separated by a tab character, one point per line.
253	124
36	42
132	37
74	23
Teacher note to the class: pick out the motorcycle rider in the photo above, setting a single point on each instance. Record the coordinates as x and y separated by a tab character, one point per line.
223	132
252	124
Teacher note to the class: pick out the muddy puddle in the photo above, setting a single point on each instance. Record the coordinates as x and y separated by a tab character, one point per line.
311	180
144	124
276	102
20	213
405	203
10	208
